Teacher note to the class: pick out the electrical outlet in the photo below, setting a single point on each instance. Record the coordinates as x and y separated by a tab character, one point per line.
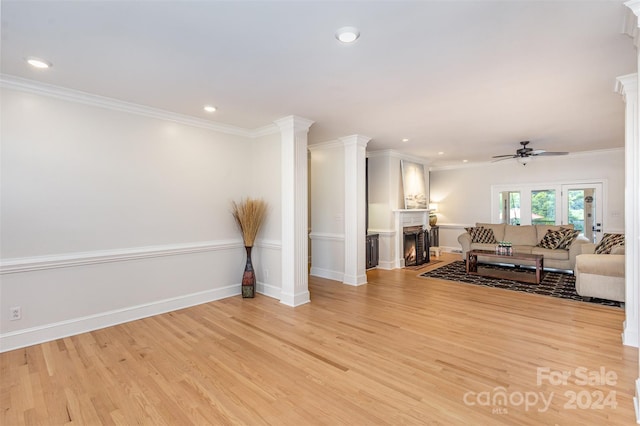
265	273
15	313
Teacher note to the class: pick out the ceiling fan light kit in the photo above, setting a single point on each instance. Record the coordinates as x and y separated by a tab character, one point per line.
524	160
525	154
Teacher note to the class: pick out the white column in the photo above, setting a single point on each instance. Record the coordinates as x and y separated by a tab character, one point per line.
631	93
355	229
295	279
628	87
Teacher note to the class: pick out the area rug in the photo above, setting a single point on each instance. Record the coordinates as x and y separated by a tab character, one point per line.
555	284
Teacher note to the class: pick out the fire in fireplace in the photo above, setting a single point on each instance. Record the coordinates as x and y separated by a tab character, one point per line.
416	245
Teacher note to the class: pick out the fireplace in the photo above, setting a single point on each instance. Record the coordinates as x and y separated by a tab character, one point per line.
415	245
413	220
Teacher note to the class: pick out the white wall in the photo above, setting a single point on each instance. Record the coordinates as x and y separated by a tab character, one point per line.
327	210
464	194
382	201
108	216
265	184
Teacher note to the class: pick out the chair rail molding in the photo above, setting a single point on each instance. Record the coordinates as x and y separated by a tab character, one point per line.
69	260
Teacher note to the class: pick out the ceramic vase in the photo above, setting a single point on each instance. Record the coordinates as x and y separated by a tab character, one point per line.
249	277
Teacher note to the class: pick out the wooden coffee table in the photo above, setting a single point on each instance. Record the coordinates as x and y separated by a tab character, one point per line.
538	259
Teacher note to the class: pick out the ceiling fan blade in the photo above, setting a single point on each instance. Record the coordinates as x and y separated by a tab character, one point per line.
523	154
552	153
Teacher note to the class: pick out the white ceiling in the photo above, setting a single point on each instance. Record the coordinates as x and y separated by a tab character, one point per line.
471	79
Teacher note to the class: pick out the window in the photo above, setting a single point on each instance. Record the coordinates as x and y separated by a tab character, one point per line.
576	208
510	207
543	207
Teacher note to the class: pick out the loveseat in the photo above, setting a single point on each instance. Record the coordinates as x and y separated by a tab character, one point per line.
525	239
601	275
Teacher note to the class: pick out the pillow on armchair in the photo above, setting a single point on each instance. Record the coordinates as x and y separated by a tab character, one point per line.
619	249
608	242
569	236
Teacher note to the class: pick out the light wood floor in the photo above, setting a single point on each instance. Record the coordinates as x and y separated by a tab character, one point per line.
400	350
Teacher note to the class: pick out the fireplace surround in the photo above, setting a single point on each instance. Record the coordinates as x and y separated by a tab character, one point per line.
413	219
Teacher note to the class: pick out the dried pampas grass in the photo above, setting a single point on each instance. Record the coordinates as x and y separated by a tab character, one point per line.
249	215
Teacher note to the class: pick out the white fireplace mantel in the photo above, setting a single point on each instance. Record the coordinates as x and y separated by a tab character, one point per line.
403	218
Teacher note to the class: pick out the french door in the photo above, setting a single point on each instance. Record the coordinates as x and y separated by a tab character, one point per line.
580	204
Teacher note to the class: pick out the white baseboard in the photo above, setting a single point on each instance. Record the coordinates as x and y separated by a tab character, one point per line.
41	334
355	280
268	290
294	300
326	273
386	265
448	249
629	335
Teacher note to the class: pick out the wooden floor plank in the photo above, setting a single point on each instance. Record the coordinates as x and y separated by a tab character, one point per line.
399	350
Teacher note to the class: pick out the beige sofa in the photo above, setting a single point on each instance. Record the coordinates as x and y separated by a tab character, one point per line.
524	239
600	275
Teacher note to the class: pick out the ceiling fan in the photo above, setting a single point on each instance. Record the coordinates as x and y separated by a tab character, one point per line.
524	154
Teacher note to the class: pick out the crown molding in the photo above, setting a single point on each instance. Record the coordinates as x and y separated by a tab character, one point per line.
359	140
627	84
269	129
634	5
38	88
493	163
294	122
325	145
390	153
631	24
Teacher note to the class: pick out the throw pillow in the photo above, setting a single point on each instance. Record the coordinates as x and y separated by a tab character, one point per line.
482	235
608	242
472	231
551	240
617	249
569	236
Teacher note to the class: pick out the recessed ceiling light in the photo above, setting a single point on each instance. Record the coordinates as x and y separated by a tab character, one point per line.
405	140
465	161
38	63
347	34
441	153
210	108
